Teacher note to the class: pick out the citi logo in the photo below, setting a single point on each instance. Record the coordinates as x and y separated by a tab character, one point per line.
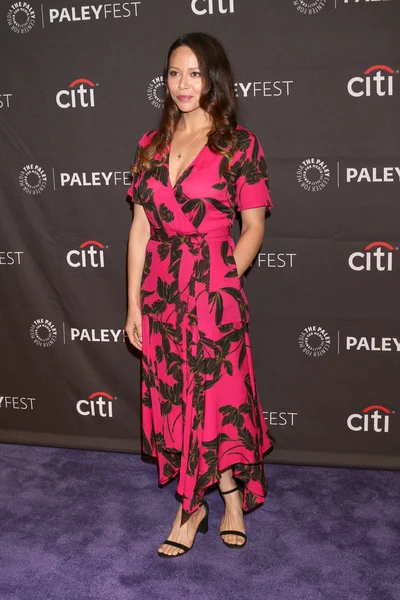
98	404
377	256
90	254
204	7
378	80
79	93
373	418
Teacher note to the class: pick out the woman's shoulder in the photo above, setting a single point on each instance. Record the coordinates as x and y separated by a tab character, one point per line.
147	137
245	133
246	139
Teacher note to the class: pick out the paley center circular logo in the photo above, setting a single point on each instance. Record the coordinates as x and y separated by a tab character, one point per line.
313	174
314	341
309	7
43	333
21	17
33	179
156	91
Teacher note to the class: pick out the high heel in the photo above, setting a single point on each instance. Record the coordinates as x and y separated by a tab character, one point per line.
232	531
202	528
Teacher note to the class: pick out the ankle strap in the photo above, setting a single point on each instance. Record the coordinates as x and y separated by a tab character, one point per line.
230	491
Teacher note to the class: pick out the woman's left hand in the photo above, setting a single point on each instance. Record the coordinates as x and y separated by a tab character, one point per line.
251	238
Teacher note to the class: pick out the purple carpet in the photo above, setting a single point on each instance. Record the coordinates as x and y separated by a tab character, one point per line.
83	525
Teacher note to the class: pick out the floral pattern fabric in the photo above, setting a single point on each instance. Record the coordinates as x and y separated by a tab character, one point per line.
200	410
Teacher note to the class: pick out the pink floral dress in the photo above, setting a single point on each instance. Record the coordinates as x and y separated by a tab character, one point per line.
200	409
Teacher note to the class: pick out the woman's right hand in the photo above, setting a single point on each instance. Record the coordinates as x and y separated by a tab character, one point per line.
133	327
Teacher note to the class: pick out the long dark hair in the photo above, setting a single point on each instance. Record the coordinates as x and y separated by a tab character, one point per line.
218	100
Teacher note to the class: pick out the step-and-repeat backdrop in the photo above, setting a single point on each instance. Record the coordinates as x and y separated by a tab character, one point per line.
318	82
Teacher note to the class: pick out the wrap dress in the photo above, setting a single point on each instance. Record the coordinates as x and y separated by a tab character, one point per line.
200	410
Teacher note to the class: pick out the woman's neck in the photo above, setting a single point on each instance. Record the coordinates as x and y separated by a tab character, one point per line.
191	123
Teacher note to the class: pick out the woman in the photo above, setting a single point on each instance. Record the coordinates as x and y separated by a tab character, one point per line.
187	310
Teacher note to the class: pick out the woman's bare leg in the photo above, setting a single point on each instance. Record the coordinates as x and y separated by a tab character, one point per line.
185	534
233	516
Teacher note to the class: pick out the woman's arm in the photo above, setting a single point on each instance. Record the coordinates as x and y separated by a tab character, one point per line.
253	225
138	237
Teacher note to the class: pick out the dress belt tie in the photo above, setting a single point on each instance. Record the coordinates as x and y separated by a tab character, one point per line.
187	243
161	235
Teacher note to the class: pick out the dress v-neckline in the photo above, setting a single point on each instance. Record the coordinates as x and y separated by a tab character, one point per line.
186	168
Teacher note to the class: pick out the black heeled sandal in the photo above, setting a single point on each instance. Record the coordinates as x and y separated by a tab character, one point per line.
202	528
232	531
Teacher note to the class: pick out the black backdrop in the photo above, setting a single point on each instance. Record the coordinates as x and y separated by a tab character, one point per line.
318	82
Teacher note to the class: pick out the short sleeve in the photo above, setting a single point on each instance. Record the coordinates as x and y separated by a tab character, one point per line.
252	184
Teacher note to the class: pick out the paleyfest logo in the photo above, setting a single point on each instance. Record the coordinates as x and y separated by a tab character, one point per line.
5	100
21	17
360	2
251	89
373	174
156	91
102	336
372	344
280	418
17	402
94	12
79	93
11	257
94	178
33	179
279	260
309	7
313	174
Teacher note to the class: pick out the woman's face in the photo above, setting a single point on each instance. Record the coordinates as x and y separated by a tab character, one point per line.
184	81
